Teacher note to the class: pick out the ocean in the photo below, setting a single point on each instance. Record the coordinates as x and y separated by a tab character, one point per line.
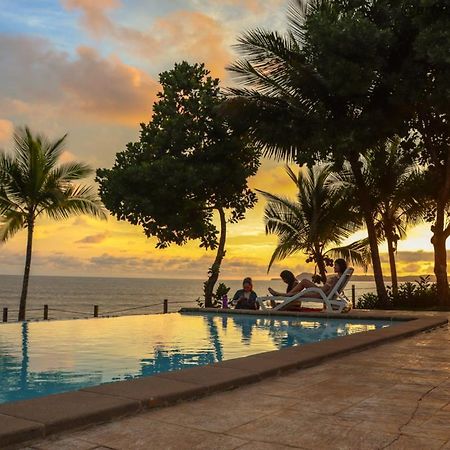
75	297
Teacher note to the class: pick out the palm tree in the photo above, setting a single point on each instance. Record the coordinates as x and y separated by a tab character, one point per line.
323	215
32	184
393	179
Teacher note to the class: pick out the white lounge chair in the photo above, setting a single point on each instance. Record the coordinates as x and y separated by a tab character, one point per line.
336	301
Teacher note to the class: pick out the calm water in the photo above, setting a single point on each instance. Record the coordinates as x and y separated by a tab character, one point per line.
42	358
78	295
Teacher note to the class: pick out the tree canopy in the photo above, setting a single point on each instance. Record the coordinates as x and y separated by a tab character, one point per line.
187	163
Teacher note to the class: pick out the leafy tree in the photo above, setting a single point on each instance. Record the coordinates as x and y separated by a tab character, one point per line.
187	164
323	215
32	184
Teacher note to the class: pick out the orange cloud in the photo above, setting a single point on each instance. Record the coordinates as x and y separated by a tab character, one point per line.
108	88
41	80
6	131
182	34
196	37
94	19
94	16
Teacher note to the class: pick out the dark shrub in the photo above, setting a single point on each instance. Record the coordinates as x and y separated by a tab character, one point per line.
422	294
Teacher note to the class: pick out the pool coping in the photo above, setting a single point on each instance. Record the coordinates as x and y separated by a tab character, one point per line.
26	420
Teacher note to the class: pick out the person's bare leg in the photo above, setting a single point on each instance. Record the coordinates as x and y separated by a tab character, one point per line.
304	284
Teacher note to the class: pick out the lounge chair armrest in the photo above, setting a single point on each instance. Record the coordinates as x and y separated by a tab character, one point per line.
268	297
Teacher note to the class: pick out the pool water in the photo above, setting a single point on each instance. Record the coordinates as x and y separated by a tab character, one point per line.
42	358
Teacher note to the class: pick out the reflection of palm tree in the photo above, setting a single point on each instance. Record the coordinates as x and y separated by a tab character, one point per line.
214	337
25	358
174	359
18	383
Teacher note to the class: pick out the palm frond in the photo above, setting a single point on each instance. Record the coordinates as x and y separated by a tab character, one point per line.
357	253
67	172
10	223
283	250
76	200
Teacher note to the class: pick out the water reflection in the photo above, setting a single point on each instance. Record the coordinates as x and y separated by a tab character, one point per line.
43	358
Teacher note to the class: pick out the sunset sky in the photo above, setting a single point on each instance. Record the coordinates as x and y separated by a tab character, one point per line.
90	68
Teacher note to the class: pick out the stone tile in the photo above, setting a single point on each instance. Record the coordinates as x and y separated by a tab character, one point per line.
13	430
436	426
407	442
395	416
307	377
149	391
223	411
65	443
265	446
323	406
142	432
362	440
294	429
69	410
277	388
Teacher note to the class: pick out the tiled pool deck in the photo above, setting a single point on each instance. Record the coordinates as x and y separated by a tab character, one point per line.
394	395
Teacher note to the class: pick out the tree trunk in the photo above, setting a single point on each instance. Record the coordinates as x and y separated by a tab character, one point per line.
366	207
440	258
215	269
26	274
321	265
392	263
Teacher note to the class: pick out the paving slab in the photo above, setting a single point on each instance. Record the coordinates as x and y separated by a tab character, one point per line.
140	433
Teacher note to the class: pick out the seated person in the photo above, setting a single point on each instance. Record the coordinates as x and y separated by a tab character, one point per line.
245	298
340	265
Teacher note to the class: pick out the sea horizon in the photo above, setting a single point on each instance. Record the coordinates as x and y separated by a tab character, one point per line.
75	296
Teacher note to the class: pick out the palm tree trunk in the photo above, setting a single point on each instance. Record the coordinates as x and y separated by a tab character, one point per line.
26	274
392	263
215	269
321	265
364	203
438	240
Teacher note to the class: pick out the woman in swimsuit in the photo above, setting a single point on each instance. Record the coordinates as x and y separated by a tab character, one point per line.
340	265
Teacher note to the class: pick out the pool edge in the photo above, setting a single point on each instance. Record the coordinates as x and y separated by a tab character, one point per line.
25	420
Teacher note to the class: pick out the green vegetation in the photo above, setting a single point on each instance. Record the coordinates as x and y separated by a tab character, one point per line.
187	164
322	216
32	184
344	79
419	295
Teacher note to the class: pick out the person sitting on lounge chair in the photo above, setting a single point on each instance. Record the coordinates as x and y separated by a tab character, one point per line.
340	265
292	284
245	298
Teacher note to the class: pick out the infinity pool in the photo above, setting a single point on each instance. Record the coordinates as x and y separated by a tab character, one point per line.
42	358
